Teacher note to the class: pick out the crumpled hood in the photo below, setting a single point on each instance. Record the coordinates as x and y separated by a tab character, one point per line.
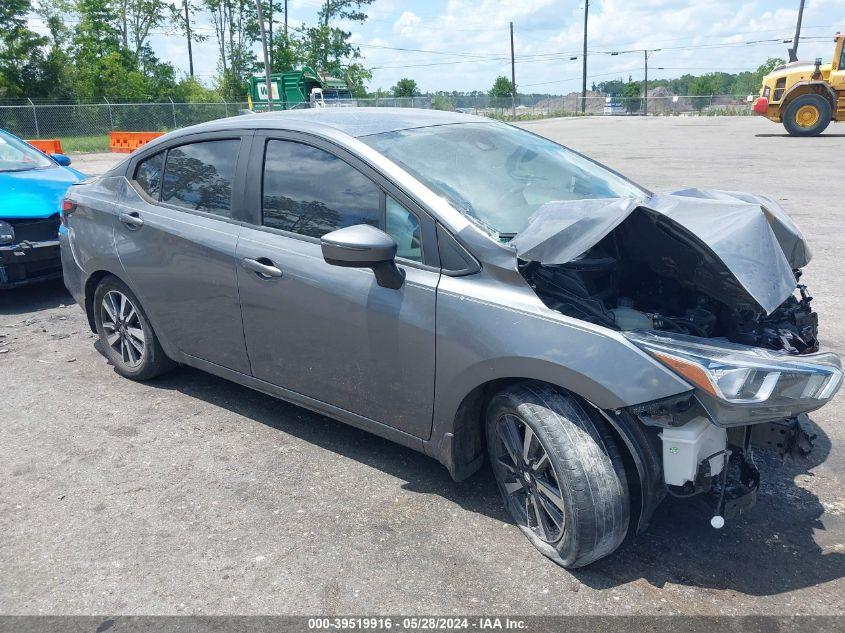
746	246
35	193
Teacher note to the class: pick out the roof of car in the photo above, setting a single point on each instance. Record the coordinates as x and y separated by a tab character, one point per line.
353	121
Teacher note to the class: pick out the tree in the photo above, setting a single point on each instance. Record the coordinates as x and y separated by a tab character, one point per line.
328	48
441	101
769	65
702	90
332	40
405	88
104	68
502	87
182	14
631	96
57	67
236	29
135	19
20	49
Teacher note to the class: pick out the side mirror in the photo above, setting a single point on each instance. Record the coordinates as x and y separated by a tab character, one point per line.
61	159
364	246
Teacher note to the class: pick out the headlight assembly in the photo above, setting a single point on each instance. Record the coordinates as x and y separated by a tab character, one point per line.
7	233
739	384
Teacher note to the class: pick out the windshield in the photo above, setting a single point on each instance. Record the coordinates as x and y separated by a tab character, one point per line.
15	155
498	174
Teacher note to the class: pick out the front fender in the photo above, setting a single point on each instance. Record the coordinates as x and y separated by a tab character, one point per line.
487	330
801	88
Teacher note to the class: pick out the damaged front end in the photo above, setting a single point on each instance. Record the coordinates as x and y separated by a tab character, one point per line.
708	284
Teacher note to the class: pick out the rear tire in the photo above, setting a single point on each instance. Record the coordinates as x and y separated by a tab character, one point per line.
125	332
807	115
559	472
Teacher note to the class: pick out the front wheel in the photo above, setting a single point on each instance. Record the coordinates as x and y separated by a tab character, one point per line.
129	341
559	472
807	115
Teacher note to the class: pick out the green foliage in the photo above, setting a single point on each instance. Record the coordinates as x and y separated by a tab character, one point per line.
441	101
632	96
702	90
769	65
741	84
189	90
502	87
20	49
236	30
405	88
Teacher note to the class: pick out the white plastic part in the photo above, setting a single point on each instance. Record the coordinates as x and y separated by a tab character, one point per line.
684	447
718	522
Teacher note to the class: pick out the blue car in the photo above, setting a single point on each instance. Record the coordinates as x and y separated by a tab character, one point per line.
32	185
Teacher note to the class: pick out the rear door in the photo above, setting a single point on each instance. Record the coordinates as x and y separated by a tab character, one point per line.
331	333
176	235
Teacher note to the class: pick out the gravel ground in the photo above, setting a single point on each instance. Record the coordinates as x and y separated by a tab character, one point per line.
190	494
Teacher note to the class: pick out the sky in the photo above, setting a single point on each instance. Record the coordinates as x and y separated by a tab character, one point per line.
464	44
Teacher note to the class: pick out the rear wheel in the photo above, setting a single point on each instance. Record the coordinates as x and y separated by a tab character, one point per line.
559	472
129	341
807	115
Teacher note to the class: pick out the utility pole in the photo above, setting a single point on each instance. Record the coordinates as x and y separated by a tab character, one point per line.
266	55
793	52
188	33
584	78
271	32
513	79
645	85
286	22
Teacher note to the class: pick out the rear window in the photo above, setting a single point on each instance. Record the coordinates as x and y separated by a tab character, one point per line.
199	176
148	174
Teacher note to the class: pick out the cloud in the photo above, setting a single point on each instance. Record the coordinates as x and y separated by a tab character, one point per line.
406	24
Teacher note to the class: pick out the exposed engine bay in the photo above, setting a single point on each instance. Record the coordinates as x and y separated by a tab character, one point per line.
676	264
606	287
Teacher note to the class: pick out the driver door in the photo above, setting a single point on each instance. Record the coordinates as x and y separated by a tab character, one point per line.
326	332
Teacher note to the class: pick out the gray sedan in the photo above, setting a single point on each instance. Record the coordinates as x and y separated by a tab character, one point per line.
469	290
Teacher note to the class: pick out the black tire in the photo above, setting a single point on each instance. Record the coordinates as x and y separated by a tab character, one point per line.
583	459
801	104
138	356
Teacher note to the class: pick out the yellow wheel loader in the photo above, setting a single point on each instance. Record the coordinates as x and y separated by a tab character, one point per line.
805	97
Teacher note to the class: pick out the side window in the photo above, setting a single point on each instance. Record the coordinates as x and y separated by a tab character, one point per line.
311	192
404	227
148	174
199	176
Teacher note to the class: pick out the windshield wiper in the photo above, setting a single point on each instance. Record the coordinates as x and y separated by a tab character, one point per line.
17	169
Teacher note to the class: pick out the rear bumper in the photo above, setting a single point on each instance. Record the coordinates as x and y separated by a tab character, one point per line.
71	272
28	263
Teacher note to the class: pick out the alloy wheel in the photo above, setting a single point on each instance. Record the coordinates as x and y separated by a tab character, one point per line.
123	329
529	480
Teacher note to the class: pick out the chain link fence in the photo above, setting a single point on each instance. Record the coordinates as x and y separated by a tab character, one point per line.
32	120
531	106
60	120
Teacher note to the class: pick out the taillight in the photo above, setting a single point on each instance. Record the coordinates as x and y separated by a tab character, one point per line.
68	207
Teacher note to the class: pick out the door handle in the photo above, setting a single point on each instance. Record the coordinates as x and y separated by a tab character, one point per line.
131	220
263	267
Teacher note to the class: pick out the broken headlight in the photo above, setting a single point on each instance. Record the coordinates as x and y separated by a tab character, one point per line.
739	384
